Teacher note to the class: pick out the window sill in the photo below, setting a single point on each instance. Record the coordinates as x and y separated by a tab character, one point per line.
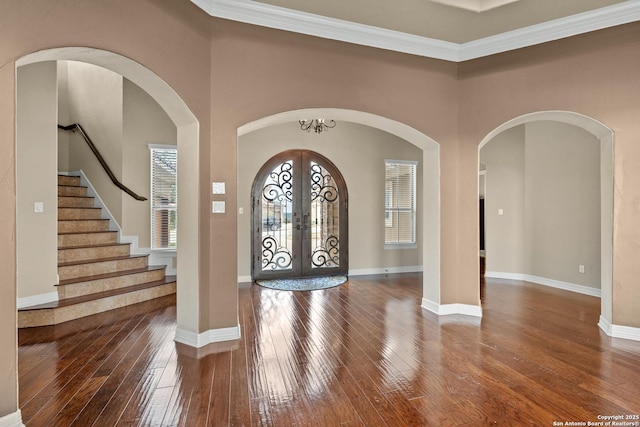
168	252
394	246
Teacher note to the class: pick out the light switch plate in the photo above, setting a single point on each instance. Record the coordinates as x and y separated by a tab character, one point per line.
218	207
218	188
38	207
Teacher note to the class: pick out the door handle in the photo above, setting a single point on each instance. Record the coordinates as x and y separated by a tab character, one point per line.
305	221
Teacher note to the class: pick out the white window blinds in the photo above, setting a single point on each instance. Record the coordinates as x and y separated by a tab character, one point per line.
400	202
164	197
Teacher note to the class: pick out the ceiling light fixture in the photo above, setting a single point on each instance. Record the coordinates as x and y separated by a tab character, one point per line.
475	5
317	125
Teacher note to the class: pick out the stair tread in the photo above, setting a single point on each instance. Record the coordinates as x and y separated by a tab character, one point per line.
92	297
64	233
83	219
74	186
78	207
110	274
94	261
97	245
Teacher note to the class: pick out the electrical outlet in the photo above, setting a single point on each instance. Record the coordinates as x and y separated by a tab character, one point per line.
581	269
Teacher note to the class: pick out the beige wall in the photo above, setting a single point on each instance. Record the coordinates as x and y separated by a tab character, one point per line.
63	116
545	176
144	123
359	153
562	203
94	100
36	176
230	74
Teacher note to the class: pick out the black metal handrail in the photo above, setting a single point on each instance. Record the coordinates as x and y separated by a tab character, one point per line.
76	127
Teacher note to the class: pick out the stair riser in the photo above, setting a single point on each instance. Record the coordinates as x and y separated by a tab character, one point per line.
79	213
96	253
102	267
108	284
68	180
83	226
33	318
75	202
72	191
66	240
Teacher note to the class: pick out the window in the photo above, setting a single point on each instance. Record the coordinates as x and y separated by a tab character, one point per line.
400	203
164	196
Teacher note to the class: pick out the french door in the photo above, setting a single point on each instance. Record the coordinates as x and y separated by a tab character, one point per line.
299	217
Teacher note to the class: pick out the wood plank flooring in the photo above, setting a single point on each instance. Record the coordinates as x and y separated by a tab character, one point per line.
363	354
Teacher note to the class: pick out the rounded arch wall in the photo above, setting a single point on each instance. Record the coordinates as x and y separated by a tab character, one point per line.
606	137
430	210
188	140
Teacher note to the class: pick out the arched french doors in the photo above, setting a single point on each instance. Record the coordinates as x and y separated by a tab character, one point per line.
299	217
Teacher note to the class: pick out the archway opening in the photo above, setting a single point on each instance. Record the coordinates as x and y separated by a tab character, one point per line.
603	139
187	142
428	149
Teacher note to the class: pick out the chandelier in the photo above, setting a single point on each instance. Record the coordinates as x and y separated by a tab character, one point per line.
317	125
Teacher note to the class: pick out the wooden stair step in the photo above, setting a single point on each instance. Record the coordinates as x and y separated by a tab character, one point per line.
93	252
69	180
67	270
75	202
82	225
86	285
110	274
75	308
74	213
76	238
72	190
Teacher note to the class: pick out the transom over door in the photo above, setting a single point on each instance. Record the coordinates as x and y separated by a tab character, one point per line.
299	217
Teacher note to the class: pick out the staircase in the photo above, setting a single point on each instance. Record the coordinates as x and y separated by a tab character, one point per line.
97	273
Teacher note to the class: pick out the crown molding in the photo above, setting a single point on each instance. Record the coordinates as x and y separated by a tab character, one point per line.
280	18
606	17
252	12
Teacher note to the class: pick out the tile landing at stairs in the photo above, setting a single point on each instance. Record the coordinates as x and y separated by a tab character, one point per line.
97	273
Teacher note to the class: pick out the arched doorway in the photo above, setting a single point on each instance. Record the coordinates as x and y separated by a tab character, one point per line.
187	128
299	217
430	206
606	137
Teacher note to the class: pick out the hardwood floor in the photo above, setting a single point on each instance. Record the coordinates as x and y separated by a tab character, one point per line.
363	354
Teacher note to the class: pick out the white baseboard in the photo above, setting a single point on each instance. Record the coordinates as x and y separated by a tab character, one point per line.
37	299
617	331
502	275
244	279
386	270
581	289
193	339
12	420
364	272
448	309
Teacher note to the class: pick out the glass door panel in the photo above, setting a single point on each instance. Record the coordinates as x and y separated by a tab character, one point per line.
324	232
